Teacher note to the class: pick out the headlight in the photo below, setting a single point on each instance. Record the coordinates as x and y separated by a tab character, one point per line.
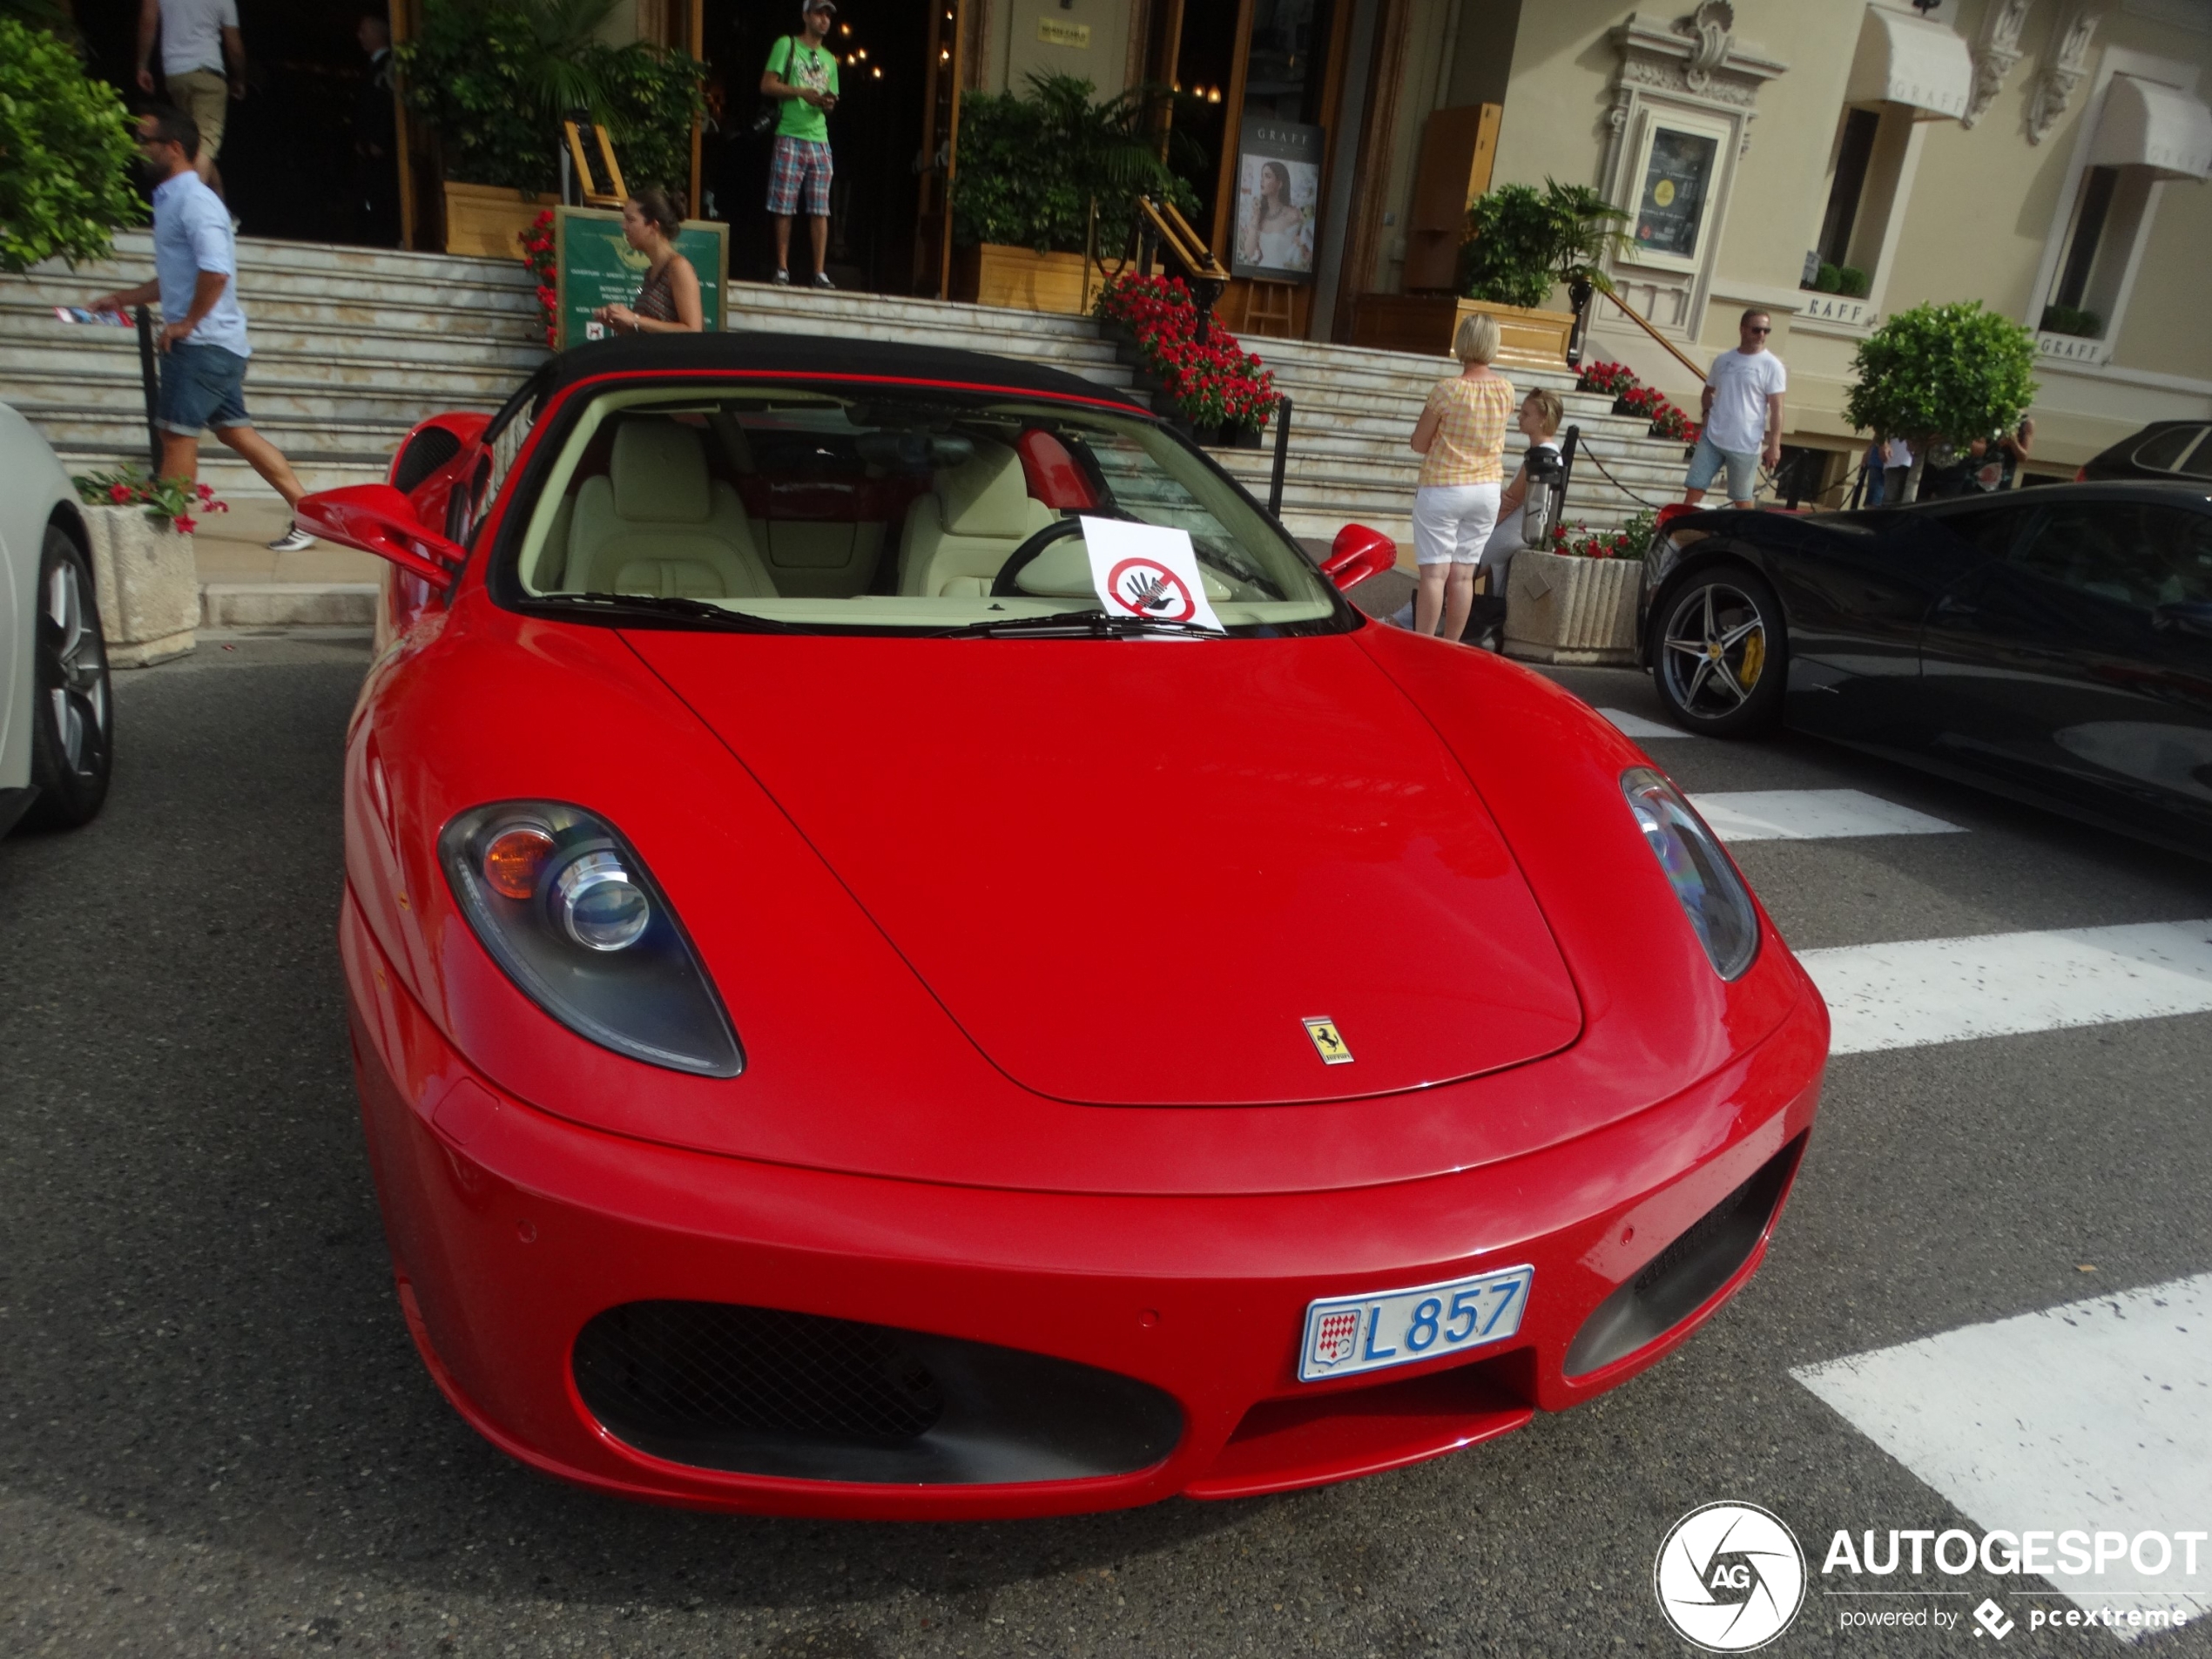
570	913
1711	893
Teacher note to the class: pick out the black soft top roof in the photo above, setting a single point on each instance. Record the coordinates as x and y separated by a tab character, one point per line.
822	354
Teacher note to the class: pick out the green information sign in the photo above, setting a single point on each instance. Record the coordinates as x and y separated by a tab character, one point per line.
598	268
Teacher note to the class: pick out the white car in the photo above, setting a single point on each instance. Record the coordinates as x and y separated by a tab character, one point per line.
57	717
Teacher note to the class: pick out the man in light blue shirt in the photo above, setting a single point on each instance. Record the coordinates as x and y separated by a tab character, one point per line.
202	334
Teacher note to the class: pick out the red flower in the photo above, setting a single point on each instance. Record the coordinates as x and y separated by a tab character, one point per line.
185	522
119	493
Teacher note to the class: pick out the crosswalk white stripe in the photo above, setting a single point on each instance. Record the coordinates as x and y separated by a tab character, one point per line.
1811	814
1643	731
2096	1416
1944	990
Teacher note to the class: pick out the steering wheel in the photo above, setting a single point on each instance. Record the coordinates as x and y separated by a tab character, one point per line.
1026	555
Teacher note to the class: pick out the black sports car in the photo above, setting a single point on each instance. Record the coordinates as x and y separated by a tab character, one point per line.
2163	449
2054	644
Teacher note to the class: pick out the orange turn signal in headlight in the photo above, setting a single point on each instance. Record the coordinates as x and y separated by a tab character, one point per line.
516	858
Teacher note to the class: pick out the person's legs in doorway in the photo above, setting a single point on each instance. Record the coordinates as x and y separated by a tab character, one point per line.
817	169
784	173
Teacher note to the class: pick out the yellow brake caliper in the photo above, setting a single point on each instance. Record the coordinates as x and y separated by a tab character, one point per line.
1754	659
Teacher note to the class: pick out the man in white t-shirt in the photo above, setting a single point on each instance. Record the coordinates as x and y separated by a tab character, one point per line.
202	61
1742	416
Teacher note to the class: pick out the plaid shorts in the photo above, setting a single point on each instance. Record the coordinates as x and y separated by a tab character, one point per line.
797	161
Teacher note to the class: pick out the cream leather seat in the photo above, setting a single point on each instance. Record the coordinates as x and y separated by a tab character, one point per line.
975	514
656	524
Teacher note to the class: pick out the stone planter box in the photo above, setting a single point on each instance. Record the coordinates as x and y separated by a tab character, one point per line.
1426	323
1020	279
1561	608
491	220
148	586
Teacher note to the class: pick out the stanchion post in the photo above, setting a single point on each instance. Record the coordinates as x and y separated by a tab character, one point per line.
1282	455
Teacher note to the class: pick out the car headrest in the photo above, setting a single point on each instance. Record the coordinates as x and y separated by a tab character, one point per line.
658	474
985	494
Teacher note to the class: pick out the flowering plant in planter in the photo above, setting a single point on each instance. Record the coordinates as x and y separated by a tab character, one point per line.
1668	422
171	503
1212	383
1631	540
537	254
1615	378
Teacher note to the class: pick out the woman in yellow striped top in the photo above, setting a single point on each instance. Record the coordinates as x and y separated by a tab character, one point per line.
1461	440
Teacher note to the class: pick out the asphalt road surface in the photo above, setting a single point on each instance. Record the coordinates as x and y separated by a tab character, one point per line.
219	1439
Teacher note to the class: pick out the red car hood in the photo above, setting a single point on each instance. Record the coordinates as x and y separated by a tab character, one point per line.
1132	870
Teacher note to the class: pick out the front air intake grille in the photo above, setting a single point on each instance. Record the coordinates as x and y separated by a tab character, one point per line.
719	1366
762	1391
1681	1278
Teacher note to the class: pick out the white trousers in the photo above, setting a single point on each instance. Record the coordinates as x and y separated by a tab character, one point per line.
1451	522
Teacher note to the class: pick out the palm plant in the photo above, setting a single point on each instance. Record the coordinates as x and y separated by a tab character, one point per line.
1582	234
1031	166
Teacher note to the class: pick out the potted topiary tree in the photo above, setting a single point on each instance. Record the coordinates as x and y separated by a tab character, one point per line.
492	80
1941	374
66	153
1030	167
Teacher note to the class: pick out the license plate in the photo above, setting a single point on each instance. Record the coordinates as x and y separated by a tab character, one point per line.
1347	1334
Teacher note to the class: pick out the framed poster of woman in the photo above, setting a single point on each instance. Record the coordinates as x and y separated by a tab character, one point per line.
1279	192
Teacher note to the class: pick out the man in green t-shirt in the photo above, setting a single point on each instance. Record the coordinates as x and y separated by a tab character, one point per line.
803	71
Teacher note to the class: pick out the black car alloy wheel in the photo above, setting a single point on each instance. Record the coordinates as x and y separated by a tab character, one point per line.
1719	652
72	714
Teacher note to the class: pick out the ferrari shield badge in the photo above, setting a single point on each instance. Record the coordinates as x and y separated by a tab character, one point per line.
1327	1041
1334	1334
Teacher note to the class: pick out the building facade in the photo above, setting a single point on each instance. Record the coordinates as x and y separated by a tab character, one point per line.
2048	158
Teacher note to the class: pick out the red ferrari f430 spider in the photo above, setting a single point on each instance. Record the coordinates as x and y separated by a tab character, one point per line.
910	954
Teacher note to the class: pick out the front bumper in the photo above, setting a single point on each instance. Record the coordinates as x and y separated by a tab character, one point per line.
512	1230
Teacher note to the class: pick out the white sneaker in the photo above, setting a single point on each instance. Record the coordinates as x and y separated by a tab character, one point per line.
782	278
291	541
821	279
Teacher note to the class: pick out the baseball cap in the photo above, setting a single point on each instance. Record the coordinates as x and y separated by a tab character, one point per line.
808	8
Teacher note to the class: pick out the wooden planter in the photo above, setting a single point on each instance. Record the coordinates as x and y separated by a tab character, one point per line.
491	220
1428	323
1020	279
1563	609
147	585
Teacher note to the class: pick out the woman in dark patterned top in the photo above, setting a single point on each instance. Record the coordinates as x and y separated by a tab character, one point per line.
669	303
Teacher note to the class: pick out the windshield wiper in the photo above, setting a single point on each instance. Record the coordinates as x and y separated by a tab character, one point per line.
1083	625
659	606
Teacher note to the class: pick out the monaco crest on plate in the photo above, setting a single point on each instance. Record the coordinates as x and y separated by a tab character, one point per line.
1335	1334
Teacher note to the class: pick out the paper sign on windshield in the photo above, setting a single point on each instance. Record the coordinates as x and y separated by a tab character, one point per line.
1146	570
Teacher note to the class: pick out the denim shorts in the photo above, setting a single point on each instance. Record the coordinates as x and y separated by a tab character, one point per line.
201	386
1742	469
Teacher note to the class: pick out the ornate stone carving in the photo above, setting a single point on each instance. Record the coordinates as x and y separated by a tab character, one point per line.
2069	61
1711	27
1995	54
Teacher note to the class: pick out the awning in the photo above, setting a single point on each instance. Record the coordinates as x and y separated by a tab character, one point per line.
2148	124
1912	62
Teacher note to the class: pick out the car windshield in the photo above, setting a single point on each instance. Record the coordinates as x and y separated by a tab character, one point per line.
819	510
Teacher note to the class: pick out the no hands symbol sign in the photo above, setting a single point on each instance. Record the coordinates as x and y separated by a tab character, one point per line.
1146	587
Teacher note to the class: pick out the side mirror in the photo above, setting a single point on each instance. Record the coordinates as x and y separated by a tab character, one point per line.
377	519
1357	554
